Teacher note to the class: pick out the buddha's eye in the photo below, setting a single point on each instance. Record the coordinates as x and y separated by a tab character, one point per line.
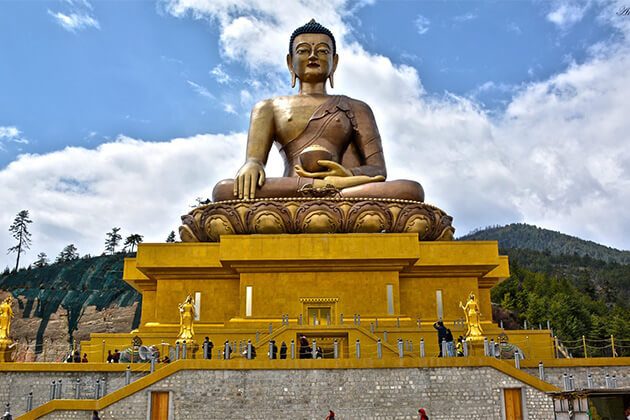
302	51
323	51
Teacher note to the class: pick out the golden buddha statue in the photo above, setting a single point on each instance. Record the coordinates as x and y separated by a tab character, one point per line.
473	318
6	315
325	140
334	176
186	319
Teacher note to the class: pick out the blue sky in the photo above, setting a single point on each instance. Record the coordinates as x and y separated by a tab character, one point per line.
133	73
470	89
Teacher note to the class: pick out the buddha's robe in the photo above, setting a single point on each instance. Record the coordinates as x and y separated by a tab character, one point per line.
333	125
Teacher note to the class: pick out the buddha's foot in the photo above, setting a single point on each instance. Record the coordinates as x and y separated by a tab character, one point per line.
315	215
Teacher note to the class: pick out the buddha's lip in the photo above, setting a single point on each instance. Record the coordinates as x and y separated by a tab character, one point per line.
313	65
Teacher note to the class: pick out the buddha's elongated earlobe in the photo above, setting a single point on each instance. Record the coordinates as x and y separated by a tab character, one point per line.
292	80
332	72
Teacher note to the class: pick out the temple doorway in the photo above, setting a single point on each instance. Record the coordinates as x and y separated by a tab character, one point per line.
319	315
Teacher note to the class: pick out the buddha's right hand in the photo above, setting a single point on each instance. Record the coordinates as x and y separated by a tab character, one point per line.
342	182
251	175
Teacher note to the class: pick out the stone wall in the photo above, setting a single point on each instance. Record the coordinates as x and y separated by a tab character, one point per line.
554	375
15	386
446	393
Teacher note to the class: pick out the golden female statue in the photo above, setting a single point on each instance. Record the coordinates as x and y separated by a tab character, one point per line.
473	317
186	318
6	315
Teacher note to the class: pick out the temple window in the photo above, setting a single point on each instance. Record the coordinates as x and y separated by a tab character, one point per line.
438	304
197	305
248	300
390	299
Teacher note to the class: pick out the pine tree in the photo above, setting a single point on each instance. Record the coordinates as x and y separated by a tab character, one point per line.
42	260
112	239
171	237
20	232
132	241
69	253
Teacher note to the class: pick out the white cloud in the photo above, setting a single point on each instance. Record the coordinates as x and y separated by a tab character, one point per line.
77	194
229	108
422	24
200	90
12	134
465	17
220	75
566	13
8	132
73	22
514	28
77	17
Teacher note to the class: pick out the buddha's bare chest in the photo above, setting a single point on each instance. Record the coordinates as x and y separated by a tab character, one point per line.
292	114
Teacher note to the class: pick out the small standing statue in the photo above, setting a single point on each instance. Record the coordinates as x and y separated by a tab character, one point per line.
6	344
473	318
186	318
6	315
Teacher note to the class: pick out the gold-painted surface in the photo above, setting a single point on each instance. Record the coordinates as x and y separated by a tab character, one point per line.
474	332
315	274
186	319
6	316
7	346
326	214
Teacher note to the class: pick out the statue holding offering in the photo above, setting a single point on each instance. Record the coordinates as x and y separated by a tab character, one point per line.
473	317
186	318
334	177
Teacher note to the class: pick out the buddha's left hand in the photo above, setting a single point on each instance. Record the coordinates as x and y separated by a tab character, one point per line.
334	169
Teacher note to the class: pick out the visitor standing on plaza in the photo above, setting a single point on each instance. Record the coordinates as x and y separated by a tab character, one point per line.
441	334
305	350
450	347
210	345
460	346
331	415
274	350
95	415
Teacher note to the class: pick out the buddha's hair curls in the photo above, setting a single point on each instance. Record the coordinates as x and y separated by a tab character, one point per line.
312	27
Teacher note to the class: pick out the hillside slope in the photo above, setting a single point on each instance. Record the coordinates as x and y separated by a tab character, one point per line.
581	287
524	236
70	288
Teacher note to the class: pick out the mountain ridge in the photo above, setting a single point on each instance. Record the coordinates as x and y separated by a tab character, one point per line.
525	236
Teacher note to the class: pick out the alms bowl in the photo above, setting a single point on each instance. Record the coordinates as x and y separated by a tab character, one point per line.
312	154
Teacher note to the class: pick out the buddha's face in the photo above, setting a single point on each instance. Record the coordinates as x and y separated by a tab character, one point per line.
312	59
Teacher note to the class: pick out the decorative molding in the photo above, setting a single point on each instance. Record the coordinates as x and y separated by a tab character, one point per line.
319	300
207	223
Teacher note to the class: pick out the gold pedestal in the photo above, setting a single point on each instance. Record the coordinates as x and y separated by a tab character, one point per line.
324	286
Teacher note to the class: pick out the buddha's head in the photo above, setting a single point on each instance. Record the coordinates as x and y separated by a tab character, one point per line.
312	54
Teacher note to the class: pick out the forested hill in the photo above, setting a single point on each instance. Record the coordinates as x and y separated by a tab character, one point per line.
582	287
523	236
72	285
